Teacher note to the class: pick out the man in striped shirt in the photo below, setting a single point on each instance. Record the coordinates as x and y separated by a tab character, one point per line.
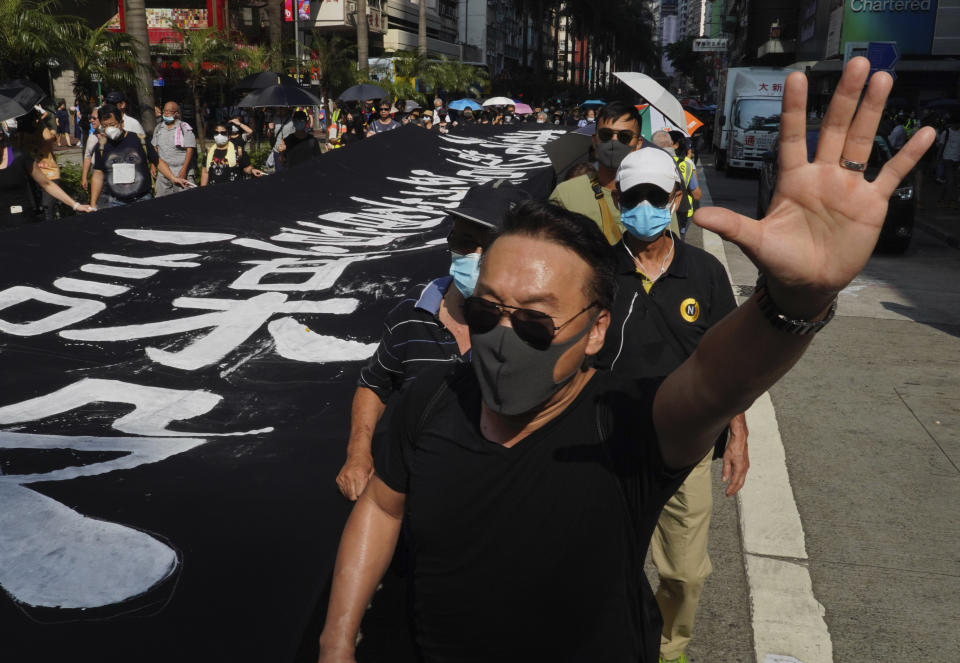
422	332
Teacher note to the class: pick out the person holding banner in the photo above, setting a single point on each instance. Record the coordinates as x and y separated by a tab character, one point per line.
529	482
420	333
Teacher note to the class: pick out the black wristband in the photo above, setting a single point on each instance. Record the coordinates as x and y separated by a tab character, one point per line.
782	322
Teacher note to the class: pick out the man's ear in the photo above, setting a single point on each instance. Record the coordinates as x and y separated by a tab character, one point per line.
598	333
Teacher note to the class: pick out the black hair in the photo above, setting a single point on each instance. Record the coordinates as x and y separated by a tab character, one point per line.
572	231
300	115
617	109
110	110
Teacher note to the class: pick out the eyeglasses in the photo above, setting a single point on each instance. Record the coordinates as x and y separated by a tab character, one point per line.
219	133
641	192
535	328
625	136
384	109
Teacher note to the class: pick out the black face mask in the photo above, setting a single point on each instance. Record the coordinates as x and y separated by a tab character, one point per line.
515	377
610	154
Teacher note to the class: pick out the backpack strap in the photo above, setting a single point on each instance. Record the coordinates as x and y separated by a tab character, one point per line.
610	228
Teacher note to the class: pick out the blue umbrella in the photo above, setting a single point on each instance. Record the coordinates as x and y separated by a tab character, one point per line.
593	102
462	104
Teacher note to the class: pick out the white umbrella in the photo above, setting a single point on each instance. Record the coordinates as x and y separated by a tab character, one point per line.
655	95
499	101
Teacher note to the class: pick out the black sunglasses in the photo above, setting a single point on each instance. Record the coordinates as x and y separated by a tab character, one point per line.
219	133
625	136
535	328
644	192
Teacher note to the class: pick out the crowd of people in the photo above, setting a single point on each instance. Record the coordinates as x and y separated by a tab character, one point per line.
536	449
122	164
939	165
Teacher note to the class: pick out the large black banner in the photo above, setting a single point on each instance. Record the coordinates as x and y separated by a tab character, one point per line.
175	385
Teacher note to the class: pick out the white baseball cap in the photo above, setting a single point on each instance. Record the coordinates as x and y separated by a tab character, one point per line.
648	165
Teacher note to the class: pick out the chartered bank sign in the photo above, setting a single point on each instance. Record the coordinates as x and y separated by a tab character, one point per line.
890	5
910	23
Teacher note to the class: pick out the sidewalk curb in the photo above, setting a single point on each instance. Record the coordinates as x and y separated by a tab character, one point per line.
947	238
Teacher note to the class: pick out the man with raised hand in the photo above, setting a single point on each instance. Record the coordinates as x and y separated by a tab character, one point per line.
529	481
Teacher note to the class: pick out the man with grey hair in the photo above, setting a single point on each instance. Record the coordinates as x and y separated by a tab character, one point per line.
542	118
663	140
176	144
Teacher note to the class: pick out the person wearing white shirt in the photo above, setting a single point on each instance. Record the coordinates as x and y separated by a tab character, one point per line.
130	124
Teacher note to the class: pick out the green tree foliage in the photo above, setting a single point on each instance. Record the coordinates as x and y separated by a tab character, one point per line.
30	34
334	59
432	76
207	57
688	63
100	55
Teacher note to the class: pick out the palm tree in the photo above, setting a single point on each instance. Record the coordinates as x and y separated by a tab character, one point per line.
203	59
30	34
275	17
100	55
363	38
136	20
332	57
422	29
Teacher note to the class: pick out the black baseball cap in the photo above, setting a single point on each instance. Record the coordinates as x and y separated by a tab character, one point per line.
487	204
115	97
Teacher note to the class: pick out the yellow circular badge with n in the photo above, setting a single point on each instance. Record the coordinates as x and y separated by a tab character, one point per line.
690	309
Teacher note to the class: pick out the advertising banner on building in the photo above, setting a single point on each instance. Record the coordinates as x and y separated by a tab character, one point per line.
910	23
303	10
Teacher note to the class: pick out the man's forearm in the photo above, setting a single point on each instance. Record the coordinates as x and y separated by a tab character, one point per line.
738	426
365	413
164	169
96	185
366	548
737	360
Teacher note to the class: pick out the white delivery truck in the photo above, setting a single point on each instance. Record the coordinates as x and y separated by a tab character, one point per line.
748	115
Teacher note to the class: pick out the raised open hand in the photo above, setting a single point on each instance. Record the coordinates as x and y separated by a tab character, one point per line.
824	219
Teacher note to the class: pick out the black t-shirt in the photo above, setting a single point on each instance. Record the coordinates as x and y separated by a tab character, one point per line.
300	150
653	333
535	552
220	170
16	199
113	161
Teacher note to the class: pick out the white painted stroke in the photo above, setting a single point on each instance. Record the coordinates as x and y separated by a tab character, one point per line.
119	272
52	556
787	619
172	236
295	341
171	260
90	287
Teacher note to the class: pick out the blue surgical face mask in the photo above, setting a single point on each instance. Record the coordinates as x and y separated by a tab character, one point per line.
465	269
169	119
645	221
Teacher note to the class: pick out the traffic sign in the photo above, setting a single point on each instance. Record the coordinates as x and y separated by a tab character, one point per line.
883	56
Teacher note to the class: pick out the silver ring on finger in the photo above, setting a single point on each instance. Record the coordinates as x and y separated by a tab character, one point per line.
856	166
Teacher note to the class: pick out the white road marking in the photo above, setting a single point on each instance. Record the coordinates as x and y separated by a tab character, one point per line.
788	621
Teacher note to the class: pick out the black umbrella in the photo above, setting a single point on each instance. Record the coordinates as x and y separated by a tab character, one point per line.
279	95
261	80
363	92
17	97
